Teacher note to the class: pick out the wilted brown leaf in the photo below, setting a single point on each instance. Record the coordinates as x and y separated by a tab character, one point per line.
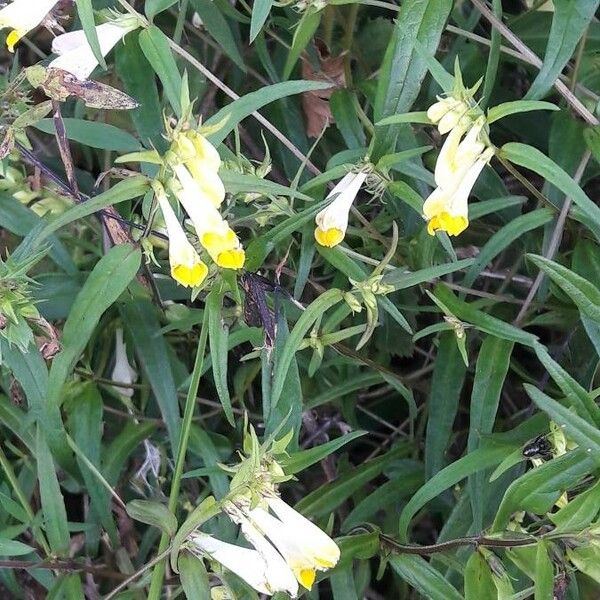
315	104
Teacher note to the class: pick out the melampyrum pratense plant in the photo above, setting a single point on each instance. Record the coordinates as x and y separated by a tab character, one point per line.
299	299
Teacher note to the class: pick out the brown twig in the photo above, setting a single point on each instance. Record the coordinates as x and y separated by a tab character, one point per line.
67	566
476	540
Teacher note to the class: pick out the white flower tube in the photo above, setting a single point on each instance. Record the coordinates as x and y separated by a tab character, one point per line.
332	221
22	16
122	371
186	266
203	162
75	53
456	157
214	233
266	574
447	209
306	548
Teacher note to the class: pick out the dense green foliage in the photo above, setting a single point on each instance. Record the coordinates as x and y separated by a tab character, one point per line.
421	385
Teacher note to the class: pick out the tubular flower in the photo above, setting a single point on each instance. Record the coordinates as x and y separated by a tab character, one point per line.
332	221
122	371
447	113
203	162
305	547
75	53
447	208
456	156
21	16
186	266
266	571
214	233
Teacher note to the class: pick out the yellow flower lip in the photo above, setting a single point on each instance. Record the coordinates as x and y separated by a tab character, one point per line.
12	39
451	224
231	259
329	237
189	276
306	577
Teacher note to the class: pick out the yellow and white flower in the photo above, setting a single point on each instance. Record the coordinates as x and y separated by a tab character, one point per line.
203	162
214	233
75	53
332	221
447	208
447	113
263	568
456	156
305	548
186	266
21	16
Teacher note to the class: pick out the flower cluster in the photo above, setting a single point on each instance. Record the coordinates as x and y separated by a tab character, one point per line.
75	54
287	549
192	166
462	158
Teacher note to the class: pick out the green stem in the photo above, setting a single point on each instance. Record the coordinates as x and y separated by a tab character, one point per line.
328	24
190	402
347	41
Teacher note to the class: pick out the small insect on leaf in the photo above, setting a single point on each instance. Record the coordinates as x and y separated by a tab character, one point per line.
540	447
60	85
256	310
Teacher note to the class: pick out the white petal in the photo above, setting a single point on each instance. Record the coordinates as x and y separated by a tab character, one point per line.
122	371
445	165
24	15
459	201
314	535
196	203
282	577
66	42
75	53
245	563
256	569
335	215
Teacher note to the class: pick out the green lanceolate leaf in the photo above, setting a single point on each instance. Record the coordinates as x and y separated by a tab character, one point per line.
153	513
155	46
490	373
571	17
403	68
517	106
194	577
309	316
107	281
142	323
531	158
446	386
424	577
218	334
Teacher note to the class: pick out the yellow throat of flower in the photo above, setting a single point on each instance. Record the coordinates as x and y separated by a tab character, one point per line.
224	248
11	40
305	576
452	225
189	276
231	259
329	237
